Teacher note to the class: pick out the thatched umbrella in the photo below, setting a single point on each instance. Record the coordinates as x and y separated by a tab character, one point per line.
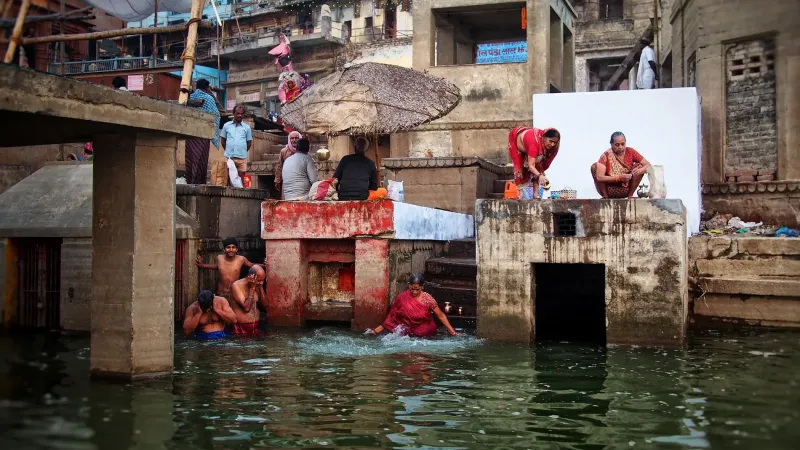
371	99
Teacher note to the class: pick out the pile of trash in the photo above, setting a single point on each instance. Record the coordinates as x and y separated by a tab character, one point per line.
729	224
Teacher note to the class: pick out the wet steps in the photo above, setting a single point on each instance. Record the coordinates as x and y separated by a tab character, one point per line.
452	278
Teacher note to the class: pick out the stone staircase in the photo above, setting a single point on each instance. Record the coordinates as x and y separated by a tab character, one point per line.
742	280
498	188
452	278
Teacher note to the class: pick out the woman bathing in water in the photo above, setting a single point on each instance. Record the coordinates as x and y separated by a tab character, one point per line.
413	310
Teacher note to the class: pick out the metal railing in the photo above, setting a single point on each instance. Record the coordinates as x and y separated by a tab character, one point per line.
338	30
203	51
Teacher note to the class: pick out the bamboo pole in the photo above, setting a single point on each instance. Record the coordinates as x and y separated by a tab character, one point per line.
188	56
7	8
110	33
17	33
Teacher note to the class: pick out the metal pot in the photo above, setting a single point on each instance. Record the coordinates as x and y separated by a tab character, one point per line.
323	154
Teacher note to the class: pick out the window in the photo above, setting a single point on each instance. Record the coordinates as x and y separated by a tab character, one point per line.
601	71
480	35
611	9
564	224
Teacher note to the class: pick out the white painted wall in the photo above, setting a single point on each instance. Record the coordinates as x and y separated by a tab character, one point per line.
661	124
414	222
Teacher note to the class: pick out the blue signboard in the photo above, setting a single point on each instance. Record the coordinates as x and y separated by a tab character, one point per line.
502	52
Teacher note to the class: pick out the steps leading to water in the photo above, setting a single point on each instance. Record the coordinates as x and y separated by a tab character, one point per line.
745	281
451	278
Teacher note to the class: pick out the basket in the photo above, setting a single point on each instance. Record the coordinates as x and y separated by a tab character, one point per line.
567	194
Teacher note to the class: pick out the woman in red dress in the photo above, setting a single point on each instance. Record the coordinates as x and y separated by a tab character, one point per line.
412	312
620	169
532	151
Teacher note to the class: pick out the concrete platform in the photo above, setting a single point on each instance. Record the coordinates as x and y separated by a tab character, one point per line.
637	246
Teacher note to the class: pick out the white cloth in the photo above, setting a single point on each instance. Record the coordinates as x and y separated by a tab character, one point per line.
645	77
136	10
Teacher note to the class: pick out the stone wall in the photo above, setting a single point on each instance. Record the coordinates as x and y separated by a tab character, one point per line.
222	212
641	243
774	203
11	175
752	130
452	184
745	281
720	25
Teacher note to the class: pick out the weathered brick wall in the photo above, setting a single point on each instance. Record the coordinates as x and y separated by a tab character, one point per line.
752	136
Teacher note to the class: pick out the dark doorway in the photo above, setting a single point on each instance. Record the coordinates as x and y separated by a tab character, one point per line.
570	302
39	283
390	22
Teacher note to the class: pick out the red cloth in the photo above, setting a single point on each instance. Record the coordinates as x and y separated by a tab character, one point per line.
414	314
534	146
246	329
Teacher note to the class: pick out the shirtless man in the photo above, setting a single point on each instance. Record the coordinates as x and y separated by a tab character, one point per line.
206	318
229	265
246	293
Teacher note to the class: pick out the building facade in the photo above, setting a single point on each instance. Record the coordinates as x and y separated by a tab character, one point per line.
499	53
743	66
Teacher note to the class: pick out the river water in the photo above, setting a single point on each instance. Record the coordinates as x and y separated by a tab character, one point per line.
331	388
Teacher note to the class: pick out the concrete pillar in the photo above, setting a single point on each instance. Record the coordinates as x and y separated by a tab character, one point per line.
287	282
568	85
538	46
591	10
372	283
133	255
556	62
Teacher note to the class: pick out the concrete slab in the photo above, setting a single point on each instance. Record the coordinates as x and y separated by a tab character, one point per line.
39	108
56	201
744	286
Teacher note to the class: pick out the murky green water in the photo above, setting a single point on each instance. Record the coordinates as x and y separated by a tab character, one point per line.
331	388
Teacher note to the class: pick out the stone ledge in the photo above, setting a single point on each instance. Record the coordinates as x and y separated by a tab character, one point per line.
269	166
220	191
753	286
751	188
244	243
442	162
490	125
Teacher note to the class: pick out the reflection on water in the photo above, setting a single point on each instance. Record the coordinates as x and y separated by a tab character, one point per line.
332	388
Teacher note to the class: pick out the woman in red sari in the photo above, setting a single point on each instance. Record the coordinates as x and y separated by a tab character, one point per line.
620	169
412	312
532	151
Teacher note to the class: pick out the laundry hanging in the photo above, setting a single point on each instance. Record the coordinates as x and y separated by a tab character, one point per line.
136	10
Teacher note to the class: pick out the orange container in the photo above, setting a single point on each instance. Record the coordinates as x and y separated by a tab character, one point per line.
510	191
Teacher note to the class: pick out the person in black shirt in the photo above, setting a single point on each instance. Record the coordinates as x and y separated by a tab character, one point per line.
356	173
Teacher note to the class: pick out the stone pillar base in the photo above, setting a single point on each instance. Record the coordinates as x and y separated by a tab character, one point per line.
133	255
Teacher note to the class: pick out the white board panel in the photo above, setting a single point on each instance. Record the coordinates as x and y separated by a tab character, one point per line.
661	124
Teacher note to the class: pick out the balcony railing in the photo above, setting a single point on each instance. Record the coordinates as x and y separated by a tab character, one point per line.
339	30
203	51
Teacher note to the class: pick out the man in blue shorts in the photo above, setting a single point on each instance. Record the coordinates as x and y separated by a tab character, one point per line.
206	318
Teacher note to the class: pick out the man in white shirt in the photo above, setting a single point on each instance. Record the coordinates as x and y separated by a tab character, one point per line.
647	74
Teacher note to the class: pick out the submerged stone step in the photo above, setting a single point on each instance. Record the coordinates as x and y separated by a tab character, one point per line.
452	267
